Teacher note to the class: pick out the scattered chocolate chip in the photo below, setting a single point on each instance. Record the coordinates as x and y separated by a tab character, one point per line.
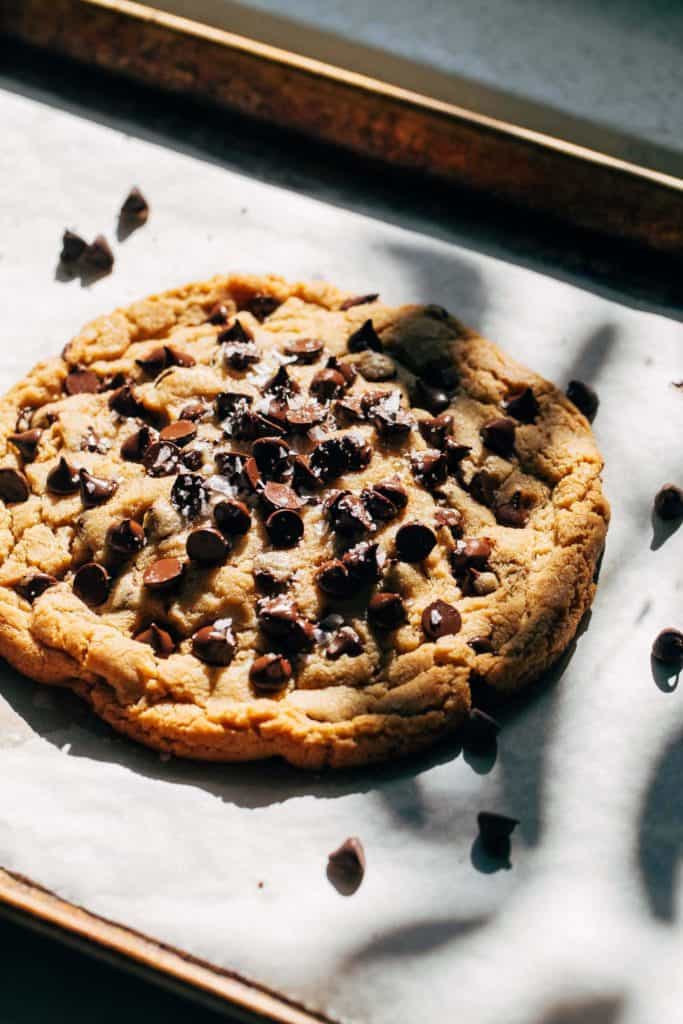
429	468
436	429
98	255
178	357
91	583
125	403
429	397
345	641
522	405
31	586
327	384
668	502
329	459
135	208
471	553
304	415
481	729
379	507
239	356
375	366
668	647
346	866
349	409
514	512
386	610
94	489
207	546
394	491
499	435
26	442
232	517
188	495
81	382
261	306
161	458
414	541
285	528
160	640
272	572
215	644
272	458
364	562
584	398
154	361
455	453
347	514
281	384
356	452
235	333
163	574
218	314
384	410
449	518
481	645
365	337
440	619
193	411
270	673
304	477
24	418
483	487
333	578
192	458
230	404
114	381
495	831
181	432
126	537
304	350
358	300
280	496
281	621
63	478
73	247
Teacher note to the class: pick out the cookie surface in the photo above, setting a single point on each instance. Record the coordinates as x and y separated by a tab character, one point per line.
249	518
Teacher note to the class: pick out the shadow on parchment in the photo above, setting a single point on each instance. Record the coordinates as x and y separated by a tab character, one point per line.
660	838
600	1010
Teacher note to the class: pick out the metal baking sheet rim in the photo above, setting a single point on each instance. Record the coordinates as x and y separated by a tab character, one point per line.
573	184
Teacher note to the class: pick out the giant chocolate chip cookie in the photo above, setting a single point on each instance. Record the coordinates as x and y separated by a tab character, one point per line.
247	518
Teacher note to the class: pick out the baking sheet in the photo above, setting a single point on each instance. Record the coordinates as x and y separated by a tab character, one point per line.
587	916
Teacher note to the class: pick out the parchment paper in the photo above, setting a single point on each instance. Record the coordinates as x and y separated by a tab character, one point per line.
587	917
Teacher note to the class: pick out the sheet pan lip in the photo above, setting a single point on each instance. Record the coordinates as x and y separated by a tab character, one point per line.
26	900
265	51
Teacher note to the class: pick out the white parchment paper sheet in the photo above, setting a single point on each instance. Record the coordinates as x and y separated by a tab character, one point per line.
589	912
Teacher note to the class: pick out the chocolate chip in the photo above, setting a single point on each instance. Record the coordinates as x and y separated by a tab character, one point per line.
499	435
514	512
154	362
161	458
63	478
235	333
345	641
280	496
188	495
160	640
481	729
134	447
270	673
394	491
192	458
668	502
163	574
272	573
114	381
429	468
375	366
436	429
229	404
304	350
81	382
483	487
380	508
449	518
207	546
126	537
327	384
281	621
668	647
31	586
426	396
522	404
94	489
348	370
440	619
218	314
347	514
281	385
346	866
272	458
584	398
240	357
178	357
261	306
304	415
26	441
364	562
365	337
356	452
386	414
98	255
91	583
471	553
349	409
455	453
193	412
481	645
386	610
181	432
304	477
73	247
232	517
125	403
495	831
414	541
329	459
215	644
358	300
285	528
135	208
333	578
